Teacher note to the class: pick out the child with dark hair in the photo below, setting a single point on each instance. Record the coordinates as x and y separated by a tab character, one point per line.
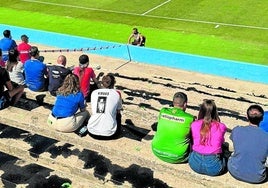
247	163
85	75
208	138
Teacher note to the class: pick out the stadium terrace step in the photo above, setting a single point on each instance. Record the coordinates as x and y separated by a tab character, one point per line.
132	157
72	163
39	97
17	172
16	146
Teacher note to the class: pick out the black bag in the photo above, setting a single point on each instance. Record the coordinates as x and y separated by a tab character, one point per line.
143	40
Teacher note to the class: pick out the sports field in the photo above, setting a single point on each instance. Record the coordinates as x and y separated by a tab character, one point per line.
235	30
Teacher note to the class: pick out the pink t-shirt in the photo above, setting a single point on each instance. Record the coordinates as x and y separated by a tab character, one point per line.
215	141
85	75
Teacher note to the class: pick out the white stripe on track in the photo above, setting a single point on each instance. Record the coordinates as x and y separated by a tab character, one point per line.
156	7
150	16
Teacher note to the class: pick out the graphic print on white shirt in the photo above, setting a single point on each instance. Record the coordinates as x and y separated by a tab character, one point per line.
101	104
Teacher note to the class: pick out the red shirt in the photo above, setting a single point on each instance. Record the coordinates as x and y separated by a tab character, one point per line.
24	49
85	75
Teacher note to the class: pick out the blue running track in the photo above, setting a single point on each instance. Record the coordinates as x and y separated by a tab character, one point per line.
213	66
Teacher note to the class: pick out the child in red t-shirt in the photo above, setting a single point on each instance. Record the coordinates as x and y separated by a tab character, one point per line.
85	74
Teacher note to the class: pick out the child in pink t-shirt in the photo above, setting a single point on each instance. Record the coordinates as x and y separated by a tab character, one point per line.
85	75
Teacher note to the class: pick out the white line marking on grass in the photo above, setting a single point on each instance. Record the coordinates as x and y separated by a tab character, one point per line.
207	22
150	16
80	7
156	7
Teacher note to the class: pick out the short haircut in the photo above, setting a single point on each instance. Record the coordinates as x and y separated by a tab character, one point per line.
135	30
255	114
108	81
7	33
24	38
83	59
180	98
34	51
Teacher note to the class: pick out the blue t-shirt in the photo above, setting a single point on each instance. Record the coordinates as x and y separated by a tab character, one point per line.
35	71
66	106
264	123
7	44
247	163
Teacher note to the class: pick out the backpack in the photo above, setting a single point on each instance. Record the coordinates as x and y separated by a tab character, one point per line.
143	40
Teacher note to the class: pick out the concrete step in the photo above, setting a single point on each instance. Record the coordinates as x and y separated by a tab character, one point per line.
73	162
124	153
18	172
81	162
132	148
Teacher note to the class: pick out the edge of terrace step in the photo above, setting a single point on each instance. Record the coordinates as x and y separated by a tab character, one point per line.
73	159
138	152
158	175
79	176
25	178
43	96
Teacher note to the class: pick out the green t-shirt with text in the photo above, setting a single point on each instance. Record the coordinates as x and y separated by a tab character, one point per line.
172	139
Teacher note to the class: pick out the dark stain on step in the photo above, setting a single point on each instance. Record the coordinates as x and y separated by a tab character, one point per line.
148	95
93	160
30	104
39	144
139	93
135	132
31	175
64	150
11	132
134	174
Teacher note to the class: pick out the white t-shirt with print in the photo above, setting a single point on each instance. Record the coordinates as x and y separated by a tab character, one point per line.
104	106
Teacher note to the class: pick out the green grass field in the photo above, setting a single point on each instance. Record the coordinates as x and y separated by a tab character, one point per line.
235	30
